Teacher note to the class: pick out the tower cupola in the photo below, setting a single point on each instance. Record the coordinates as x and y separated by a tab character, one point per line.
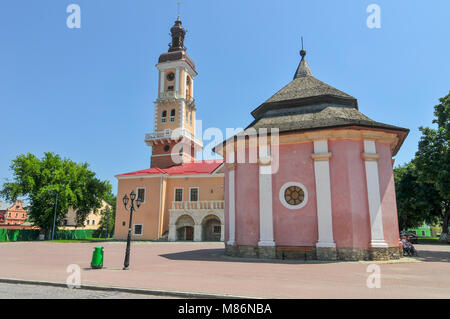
178	33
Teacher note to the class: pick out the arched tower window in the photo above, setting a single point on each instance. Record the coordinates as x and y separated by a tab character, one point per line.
172	115
188	88
163	116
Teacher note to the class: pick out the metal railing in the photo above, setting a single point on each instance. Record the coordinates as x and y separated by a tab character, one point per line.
174	134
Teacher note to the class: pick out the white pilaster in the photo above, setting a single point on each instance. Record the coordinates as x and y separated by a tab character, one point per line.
373	194
222	232
197	232
161	82
172	233
177	81
231	204
184	83
321	158
192	87
265	205
182	113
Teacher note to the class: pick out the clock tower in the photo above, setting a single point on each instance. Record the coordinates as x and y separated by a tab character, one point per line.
173	141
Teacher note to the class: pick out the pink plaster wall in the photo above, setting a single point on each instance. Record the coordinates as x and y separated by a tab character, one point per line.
295	227
351	221
351	218
247	204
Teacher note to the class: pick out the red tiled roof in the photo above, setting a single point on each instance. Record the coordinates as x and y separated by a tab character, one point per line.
193	168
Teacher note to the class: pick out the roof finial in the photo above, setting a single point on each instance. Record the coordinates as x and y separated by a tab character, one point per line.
303	69
302	52
178	10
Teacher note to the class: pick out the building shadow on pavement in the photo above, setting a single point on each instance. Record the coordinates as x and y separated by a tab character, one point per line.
433	256
218	255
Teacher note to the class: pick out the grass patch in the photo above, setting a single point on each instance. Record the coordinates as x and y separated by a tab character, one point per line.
87	240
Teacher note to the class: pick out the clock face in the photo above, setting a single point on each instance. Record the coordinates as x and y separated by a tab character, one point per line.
170	77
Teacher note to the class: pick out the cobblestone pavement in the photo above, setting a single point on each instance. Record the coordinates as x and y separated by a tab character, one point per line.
19	291
202	268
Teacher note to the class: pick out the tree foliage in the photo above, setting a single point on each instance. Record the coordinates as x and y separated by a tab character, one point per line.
41	181
416	201
423	185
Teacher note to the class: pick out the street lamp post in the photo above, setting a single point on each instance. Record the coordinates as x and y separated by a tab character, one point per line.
131	209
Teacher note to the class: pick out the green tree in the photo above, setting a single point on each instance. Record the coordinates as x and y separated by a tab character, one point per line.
416	201
41	180
433	161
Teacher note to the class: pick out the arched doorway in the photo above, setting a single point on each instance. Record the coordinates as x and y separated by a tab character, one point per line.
211	228
185	228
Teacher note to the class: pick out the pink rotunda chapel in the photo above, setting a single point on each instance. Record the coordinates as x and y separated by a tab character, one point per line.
322	188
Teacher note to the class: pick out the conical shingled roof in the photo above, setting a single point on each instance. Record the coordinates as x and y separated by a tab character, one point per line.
305	90
306	87
303	67
307	103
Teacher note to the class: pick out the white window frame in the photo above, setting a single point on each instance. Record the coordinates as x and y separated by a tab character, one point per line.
145	193
286	204
134	229
163	118
175	194
198	193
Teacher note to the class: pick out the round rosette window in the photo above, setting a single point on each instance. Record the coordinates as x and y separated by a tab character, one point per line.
293	195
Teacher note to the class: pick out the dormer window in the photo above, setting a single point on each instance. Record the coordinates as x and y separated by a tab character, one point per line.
164	117
172	115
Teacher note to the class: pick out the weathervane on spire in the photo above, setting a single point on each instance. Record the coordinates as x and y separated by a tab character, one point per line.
302	52
178	10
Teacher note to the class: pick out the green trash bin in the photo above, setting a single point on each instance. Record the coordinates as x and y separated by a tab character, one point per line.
97	258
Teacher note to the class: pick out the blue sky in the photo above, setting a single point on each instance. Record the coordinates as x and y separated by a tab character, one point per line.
87	94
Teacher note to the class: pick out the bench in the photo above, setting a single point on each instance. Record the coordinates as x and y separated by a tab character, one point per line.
301	249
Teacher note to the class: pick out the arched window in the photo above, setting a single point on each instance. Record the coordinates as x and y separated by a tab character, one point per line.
163	116
172	115
188	88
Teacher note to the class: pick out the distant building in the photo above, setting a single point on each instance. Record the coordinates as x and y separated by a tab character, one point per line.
427	231
92	220
12	213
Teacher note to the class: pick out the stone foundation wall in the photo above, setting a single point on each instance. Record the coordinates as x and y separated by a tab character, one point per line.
343	254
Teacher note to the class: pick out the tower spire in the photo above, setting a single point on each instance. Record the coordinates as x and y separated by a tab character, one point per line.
303	68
